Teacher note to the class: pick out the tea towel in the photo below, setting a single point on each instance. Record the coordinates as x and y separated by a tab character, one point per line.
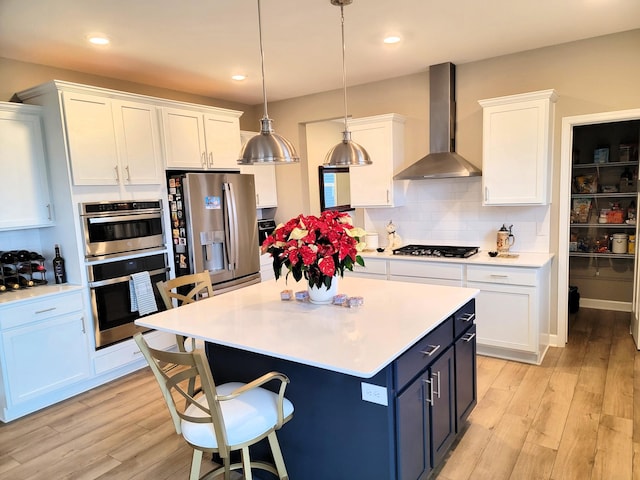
141	294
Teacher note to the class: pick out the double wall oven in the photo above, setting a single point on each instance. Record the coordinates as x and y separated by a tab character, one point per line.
121	238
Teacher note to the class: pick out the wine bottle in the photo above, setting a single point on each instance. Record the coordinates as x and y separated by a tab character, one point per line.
58	267
22	255
31	268
35	257
2	286
10	283
20	281
7	257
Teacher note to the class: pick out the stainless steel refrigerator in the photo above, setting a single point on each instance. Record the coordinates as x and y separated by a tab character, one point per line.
214	227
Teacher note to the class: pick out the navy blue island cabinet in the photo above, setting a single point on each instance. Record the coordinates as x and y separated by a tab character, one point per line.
398	424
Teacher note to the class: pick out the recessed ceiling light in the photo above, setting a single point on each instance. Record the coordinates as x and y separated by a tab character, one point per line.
239	77
98	39
392	39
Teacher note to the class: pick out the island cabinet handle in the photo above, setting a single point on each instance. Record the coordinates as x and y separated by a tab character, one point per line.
468	317
437	376
496	275
434	349
429	397
468	337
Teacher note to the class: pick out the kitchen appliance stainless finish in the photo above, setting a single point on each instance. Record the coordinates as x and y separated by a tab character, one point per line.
436	251
214	227
118	228
442	161
265	228
110	298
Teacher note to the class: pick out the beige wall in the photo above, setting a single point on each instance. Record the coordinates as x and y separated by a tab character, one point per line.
17	76
594	75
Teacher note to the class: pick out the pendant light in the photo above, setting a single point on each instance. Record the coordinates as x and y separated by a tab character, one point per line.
267	148
347	153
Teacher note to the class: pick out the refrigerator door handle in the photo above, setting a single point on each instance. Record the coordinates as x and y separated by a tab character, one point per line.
231	212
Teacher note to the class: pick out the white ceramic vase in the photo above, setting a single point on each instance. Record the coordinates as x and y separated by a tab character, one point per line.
323	295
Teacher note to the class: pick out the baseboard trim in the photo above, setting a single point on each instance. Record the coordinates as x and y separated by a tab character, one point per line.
605	304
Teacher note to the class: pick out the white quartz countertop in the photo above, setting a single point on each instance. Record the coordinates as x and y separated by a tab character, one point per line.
9	298
522	259
358	341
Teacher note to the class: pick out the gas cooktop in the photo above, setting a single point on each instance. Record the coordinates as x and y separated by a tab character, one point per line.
436	251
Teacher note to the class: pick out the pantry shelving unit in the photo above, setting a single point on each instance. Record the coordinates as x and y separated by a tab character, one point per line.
604	202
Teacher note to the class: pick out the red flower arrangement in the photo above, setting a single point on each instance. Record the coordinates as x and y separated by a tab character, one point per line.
317	248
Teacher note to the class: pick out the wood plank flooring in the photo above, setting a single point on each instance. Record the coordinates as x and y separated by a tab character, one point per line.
577	416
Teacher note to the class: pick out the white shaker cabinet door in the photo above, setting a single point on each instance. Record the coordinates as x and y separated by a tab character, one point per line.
265	178
223	141
184	138
138	138
91	138
382	136
517	148
24	196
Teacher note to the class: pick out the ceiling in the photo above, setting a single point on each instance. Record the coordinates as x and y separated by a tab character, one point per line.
196	45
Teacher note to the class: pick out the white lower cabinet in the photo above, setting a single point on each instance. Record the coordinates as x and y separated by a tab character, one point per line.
512	311
512	308
44	351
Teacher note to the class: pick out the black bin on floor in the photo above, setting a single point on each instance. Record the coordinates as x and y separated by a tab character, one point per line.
574	299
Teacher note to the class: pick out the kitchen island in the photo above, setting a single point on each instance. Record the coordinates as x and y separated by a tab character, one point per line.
380	390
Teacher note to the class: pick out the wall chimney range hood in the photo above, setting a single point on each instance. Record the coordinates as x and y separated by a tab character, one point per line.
442	161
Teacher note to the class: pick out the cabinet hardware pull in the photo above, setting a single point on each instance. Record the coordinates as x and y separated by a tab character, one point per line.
468	337
434	349
486	194
257	199
48	211
38	312
429	397
117	173
203	159
468	317
128	177
437	375
83	327
495	275
388	197
211	159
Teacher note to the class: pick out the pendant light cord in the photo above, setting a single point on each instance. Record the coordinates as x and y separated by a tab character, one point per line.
264	86
344	68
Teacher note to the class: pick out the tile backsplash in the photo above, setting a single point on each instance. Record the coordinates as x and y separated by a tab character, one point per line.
450	211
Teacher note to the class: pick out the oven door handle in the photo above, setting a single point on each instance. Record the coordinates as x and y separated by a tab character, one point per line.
123	218
124	278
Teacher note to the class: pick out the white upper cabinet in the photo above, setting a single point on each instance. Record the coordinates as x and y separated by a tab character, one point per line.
265	178
517	148
112	141
382	136
201	139
24	196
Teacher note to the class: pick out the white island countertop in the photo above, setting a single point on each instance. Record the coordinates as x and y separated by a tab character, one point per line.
358	341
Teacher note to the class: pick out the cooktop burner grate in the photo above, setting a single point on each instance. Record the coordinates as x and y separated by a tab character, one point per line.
436	251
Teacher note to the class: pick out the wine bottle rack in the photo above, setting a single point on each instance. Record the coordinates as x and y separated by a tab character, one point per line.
22	269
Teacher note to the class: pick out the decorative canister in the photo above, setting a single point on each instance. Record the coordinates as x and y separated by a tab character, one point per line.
620	243
631	247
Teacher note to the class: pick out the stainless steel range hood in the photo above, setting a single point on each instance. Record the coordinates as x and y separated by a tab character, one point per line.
443	161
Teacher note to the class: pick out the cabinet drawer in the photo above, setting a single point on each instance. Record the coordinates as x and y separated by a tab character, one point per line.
41	309
372	266
505	275
464	318
414	360
447	271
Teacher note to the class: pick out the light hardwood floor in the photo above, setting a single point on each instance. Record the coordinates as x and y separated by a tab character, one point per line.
577	416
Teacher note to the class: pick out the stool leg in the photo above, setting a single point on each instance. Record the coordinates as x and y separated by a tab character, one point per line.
196	461
246	464
277	456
